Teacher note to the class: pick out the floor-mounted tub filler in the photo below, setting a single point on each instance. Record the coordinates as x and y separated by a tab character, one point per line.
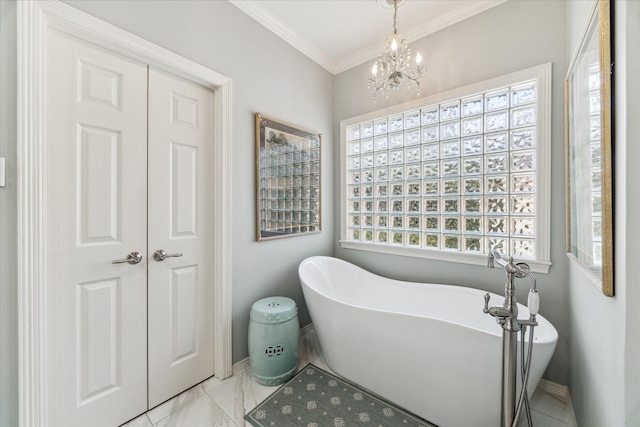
507	317
426	347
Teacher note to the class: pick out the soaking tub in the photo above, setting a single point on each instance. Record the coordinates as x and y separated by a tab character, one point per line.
428	348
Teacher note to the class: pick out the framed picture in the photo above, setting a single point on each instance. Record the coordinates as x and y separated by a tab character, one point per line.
288	177
589	150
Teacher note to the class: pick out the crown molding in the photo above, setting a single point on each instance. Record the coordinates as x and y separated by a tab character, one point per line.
337	65
469	9
264	18
431	26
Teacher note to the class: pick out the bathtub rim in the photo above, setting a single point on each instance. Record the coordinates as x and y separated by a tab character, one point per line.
550	333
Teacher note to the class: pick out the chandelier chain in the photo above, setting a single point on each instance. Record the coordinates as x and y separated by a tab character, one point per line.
395	14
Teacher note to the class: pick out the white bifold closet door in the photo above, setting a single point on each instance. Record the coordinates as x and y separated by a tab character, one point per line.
129	155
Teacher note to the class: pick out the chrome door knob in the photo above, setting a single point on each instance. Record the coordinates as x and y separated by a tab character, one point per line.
161	255
132	258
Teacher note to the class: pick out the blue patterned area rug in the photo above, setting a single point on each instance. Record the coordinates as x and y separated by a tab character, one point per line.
316	398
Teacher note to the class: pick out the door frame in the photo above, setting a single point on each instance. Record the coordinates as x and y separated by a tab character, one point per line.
35	19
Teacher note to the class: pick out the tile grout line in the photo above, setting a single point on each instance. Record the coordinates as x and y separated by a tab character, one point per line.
230	416
550	416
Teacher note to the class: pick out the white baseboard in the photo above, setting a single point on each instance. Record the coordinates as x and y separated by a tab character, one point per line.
561	393
556	390
241	366
306	329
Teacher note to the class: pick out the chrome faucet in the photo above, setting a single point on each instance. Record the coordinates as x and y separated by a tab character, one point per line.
507	316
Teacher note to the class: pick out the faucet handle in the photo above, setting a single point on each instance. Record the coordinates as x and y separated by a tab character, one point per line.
490	260
487	297
523	270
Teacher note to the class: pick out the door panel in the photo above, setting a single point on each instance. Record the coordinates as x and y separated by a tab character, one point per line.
97	339
184	327
98	152
184	168
180	222
96	183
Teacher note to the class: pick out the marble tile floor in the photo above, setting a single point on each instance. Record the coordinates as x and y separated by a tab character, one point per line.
224	403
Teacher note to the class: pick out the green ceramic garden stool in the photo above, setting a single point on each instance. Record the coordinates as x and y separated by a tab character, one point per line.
274	335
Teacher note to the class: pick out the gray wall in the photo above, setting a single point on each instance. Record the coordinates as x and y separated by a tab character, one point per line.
604	380
8	214
502	40
269	77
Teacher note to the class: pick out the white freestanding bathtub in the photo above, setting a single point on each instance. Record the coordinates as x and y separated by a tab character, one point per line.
428	348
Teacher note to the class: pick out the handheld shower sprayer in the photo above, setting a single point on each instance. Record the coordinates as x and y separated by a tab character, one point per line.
533	301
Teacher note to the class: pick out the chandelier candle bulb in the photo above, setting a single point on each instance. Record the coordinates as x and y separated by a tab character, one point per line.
418	58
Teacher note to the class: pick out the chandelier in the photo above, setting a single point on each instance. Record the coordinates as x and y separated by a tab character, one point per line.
392	68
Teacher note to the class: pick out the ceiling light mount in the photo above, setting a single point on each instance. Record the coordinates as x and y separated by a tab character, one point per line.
389	4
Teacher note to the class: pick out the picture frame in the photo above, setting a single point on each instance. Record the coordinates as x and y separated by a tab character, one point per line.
288	179
589	150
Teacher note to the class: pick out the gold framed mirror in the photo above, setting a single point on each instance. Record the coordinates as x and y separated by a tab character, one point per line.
589	150
288	177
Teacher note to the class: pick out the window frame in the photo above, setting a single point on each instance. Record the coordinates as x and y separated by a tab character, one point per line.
542	75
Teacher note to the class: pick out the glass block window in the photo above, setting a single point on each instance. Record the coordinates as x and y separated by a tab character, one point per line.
459	175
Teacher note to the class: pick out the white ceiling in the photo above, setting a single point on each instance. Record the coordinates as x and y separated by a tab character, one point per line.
341	34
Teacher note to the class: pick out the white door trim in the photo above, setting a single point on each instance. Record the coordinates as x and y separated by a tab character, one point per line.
35	18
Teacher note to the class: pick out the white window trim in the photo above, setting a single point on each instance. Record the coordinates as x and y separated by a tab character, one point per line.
542	75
